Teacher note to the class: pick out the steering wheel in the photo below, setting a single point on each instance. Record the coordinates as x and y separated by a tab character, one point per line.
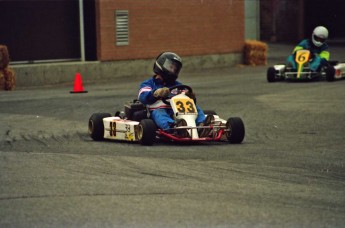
179	88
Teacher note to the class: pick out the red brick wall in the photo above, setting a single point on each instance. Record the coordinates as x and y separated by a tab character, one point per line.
187	27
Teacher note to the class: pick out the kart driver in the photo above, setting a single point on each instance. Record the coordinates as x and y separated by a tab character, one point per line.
166	68
318	48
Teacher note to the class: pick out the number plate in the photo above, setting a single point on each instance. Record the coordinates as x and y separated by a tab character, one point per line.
302	56
185	106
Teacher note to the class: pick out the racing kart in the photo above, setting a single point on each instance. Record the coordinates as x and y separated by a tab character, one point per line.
135	125
333	71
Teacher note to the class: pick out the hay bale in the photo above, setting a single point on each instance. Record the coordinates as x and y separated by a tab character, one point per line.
10	79
2	80
255	53
7	74
4	57
7	79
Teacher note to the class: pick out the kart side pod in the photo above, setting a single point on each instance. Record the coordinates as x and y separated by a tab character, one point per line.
119	129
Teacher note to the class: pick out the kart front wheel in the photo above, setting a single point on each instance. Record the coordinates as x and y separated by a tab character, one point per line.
96	127
235	130
271	74
147	132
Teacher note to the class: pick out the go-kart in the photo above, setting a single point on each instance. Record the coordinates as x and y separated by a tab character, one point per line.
280	72
135	125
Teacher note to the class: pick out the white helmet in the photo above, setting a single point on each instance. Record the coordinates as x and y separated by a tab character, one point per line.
320	34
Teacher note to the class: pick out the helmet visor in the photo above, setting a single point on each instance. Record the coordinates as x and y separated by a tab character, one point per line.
172	66
319	39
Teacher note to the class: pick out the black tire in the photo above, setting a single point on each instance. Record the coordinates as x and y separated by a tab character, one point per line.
210	112
147	132
330	73
96	127
236	130
271	74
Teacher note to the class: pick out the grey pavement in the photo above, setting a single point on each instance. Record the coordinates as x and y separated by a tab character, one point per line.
289	171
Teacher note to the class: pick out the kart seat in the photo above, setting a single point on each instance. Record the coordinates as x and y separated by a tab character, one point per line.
135	110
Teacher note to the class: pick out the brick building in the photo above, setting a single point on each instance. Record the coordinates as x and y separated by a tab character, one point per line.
110	30
105	39
193	27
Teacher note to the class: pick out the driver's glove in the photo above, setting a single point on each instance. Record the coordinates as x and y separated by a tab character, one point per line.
162	93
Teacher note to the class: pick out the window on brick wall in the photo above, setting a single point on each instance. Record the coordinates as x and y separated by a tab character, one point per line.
122	31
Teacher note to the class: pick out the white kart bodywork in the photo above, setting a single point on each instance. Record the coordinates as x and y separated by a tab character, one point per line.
331	71
116	128
190	113
136	126
339	70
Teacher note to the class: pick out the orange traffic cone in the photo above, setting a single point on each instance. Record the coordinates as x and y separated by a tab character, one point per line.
78	85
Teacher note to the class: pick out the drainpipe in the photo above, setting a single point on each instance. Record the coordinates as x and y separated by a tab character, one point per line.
81	29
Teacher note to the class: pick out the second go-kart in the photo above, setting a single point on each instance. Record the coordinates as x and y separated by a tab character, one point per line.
136	126
280	72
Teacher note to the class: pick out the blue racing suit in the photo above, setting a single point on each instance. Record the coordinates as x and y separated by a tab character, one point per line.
160	112
320	54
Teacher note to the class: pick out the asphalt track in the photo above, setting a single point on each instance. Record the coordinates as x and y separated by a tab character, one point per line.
289	171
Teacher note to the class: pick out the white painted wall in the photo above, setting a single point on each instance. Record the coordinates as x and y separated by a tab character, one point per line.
252	19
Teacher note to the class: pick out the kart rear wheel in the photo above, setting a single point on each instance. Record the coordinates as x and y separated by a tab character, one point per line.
271	74
96	127
147	132
236	131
